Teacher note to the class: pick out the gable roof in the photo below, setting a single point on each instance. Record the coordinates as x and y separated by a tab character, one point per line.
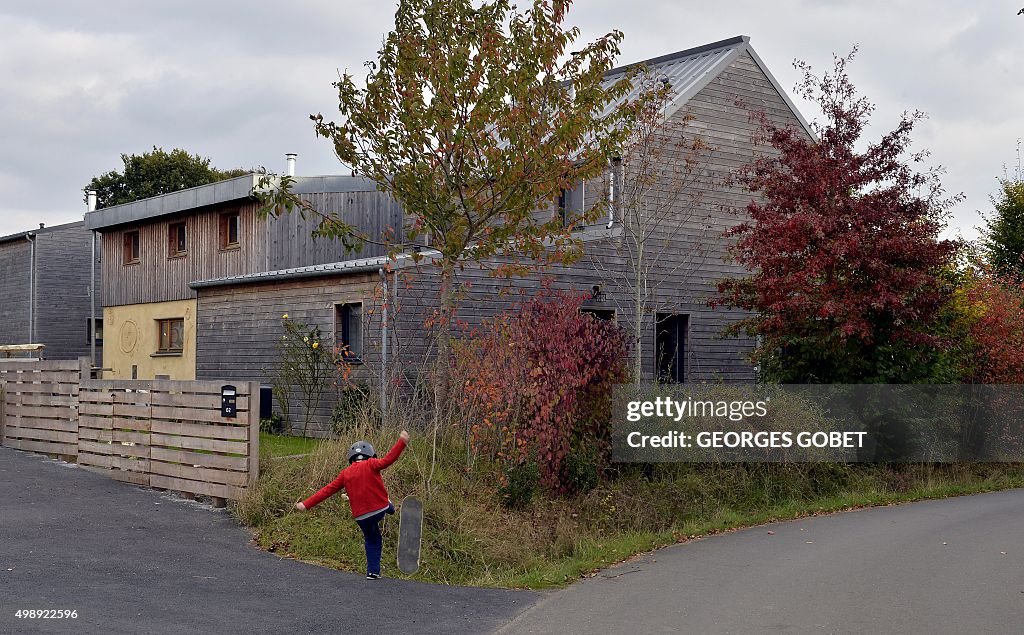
690	70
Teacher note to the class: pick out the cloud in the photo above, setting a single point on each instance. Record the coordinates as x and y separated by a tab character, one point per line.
235	81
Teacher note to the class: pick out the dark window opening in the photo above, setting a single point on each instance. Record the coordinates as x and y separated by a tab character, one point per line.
176	245
229	227
348	331
670	347
94	333
131	247
171	334
571	204
607	315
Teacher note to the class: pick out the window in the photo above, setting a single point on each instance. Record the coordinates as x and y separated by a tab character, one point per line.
171	334
229	225
91	333
571	204
348	331
131	247
670	347
607	315
176	245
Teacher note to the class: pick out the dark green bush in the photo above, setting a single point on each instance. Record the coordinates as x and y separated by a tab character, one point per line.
521	484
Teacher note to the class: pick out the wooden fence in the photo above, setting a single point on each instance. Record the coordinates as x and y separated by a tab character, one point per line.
165	434
39	405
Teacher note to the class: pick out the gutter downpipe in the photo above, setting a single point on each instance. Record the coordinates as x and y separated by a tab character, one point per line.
30	237
384	346
90	196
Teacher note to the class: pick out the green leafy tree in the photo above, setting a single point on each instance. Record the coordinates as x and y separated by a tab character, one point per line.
474	117
154	173
1003	238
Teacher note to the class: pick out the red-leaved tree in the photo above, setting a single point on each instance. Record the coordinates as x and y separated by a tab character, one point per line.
537	379
842	247
994	311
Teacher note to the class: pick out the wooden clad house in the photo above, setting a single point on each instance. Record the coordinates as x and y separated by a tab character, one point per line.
44	291
208	305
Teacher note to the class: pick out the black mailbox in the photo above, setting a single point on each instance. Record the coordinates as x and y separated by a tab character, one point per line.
228	401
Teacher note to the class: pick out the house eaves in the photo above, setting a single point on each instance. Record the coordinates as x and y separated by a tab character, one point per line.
237	189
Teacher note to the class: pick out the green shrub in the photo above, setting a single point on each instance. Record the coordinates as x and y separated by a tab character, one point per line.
580	471
521	484
273	425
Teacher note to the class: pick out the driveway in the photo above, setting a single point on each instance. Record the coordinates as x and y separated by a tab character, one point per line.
945	566
131	560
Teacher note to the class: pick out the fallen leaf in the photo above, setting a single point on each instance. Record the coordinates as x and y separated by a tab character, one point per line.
771	533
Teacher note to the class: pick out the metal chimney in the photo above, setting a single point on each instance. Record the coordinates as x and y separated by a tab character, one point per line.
90	200
290	163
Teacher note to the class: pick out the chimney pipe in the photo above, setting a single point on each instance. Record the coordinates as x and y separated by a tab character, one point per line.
290	163
90	200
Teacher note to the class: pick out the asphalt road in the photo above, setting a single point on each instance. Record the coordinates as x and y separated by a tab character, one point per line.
131	560
947	566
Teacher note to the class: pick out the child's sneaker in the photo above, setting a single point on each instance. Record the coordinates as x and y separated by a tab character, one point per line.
390	509
373	576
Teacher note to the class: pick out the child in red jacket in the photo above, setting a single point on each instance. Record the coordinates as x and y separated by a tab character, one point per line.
367	495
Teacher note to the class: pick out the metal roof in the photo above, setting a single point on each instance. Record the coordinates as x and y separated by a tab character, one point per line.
312	271
33	232
401	261
690	70
236	189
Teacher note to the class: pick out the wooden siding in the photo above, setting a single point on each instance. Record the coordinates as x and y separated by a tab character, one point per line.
160	278
290	241
14	263
62	291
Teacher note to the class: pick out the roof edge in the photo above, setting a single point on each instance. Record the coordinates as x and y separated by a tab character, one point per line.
732	41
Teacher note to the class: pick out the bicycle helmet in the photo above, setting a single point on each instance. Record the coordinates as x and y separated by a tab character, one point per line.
361	449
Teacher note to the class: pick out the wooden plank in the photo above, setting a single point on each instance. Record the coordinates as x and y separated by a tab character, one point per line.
205	475
120	423
36	399
45	447
125	448
205	431
95	404
48	389
136	478
129	463
194	443
122	436
89	421
42	412
86	446
219	461
197	487
95	461
3	398
37	423
157	386
189	414
131	410
254	435
39	434
201	401
93	434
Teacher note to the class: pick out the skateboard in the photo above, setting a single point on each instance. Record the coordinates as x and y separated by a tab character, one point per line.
410	535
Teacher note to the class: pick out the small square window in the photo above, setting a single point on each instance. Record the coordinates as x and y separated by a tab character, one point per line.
131	247
171	335
348	331
229	229
176	240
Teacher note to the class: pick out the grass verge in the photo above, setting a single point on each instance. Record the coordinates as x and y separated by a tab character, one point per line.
470	538
286	445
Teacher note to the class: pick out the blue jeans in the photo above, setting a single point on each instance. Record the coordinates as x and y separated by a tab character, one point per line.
372	540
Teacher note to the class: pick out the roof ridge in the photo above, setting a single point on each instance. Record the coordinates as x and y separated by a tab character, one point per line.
696	50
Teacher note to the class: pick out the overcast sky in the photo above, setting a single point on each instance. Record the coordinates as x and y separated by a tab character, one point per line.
235	81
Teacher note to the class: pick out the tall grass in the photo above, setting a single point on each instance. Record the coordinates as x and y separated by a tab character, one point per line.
470	538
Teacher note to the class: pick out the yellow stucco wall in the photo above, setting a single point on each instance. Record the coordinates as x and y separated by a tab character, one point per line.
131	338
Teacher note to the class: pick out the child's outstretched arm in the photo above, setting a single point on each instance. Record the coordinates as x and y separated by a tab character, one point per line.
393	454
325	492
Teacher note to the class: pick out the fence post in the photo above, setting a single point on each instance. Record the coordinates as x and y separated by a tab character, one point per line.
254	433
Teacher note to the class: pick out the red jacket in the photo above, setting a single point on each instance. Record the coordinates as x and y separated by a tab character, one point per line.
362	481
